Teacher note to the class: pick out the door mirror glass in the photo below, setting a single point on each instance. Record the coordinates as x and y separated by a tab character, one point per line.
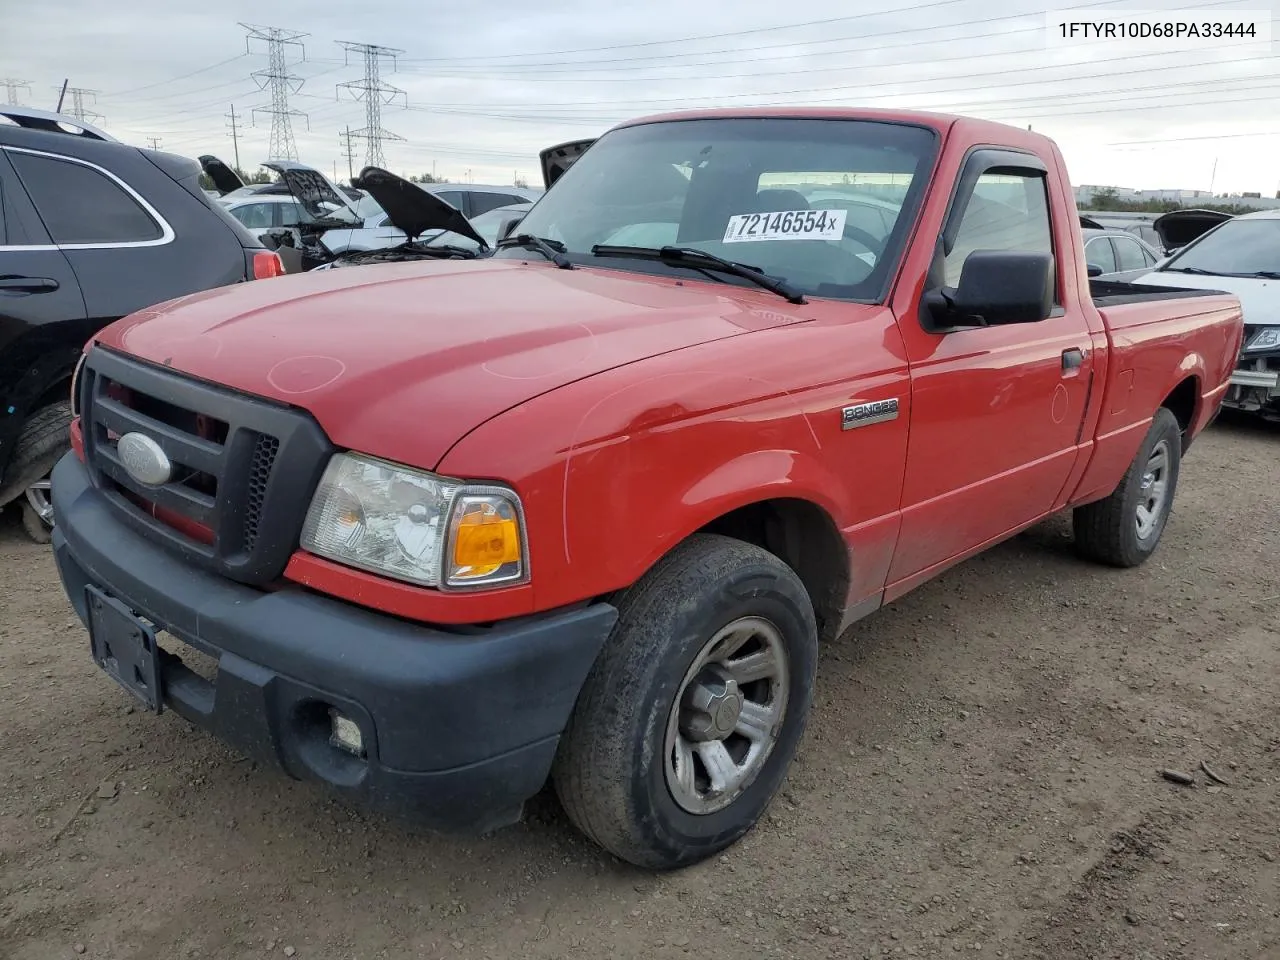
1095	270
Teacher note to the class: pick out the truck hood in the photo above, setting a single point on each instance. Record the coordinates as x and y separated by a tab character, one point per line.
402	360
1259	298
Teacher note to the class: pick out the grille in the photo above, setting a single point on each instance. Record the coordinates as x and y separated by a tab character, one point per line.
243	468
264	458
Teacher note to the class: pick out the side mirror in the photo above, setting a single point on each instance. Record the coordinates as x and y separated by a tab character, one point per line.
1094	270
508	225
997	287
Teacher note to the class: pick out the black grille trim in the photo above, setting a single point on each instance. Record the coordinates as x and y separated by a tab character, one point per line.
251	491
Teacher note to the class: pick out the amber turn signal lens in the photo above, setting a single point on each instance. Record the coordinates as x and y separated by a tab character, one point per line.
485	540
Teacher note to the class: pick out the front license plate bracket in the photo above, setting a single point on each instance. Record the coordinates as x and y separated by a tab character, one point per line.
125	647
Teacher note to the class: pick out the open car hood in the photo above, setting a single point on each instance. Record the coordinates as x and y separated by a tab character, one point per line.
556	160
412	209
225	180
1179	227
312	188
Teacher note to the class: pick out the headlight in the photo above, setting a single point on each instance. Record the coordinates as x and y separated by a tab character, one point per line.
416	526
1268	338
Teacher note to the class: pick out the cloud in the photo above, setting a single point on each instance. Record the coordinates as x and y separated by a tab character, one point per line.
486	87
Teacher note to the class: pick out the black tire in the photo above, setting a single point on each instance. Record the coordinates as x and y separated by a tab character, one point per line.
1107	531
45	437
610	769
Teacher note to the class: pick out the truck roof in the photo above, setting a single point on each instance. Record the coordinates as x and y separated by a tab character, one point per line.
1001	133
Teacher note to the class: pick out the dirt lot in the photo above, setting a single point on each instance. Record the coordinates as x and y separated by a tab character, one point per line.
980	779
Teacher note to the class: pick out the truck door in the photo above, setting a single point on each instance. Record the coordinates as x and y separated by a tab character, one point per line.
996	411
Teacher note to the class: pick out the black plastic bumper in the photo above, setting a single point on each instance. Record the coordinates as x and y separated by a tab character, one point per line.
459	728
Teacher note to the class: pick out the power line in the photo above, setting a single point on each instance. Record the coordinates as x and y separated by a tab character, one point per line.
710	36
12	87
184	76
374	93
281	82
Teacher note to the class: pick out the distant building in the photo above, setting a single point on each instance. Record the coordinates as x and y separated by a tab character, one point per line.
1187	198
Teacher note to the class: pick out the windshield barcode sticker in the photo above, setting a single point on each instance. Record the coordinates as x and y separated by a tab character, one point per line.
788	225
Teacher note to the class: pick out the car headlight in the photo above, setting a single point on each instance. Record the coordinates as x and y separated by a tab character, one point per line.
416	526
1268	338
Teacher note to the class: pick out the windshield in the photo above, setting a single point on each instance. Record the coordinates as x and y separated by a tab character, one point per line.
1237	247
823	204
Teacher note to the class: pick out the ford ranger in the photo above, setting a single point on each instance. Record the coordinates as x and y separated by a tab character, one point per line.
583	511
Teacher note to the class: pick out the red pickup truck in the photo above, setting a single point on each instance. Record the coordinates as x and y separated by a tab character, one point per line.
582	511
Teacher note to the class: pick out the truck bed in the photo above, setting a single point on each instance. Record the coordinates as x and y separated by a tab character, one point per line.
1113	293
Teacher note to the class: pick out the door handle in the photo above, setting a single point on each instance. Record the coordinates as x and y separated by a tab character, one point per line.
1072	359
29	284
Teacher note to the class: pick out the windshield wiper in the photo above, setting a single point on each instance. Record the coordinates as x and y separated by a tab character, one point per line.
1198	271
1260	274
553	250
701	259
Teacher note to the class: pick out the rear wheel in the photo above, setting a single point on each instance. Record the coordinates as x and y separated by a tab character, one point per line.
45	437
1124	529
686	726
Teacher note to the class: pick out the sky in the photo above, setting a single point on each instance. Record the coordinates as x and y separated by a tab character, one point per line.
485	86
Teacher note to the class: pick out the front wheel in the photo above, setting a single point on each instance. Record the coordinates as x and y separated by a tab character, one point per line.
689	719
1124	529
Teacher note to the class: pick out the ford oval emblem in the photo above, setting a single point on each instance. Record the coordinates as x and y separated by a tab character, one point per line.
143	459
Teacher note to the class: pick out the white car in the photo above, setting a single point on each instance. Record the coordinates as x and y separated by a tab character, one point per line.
1241	256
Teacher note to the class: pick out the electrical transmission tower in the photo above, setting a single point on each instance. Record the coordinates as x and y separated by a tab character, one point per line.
77	108
155	142
374	93
12	87
282	83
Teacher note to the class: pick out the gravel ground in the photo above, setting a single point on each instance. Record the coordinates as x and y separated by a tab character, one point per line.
981	778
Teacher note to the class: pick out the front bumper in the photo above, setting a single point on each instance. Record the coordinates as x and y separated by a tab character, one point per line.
459	727
1255	382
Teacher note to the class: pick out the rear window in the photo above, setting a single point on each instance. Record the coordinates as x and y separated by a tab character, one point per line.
79	204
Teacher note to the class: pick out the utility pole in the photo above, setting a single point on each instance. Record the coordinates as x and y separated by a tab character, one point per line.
348	141
235	135
12	87
77	108
282	83
155	142
62	95
374	93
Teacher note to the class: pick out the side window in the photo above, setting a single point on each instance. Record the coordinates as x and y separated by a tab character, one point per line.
1128	254
453	198
1007	211
292	214
1148	258
78	204
1098	253
483	202
254	216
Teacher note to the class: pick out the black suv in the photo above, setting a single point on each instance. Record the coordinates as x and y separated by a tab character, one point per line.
91	230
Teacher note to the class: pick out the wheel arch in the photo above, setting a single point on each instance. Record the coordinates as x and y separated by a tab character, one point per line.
1184	402
804	536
